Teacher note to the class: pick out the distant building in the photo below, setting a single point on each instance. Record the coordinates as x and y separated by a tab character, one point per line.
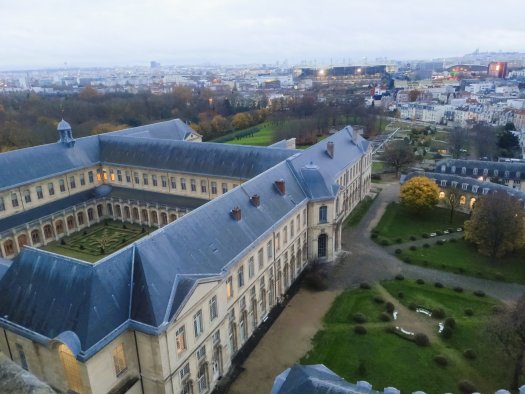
497	69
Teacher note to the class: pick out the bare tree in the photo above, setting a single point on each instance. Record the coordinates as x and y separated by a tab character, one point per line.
452	201
457	141
398	154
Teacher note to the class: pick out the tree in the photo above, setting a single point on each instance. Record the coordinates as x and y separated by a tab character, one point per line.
508	330
452	201
484	140
497	224
398	154
419	193
241	120
508	143
457	141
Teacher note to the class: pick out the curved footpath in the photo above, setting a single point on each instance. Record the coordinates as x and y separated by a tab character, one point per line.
370	262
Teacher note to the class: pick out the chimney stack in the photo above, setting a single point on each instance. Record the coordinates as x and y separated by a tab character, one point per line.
256	200
281	186
236	213
330	149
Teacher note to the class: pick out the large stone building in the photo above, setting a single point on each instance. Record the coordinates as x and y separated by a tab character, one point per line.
167	313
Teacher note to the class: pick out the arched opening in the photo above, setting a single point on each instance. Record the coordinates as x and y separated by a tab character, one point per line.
154	217
9	247
70	222
127	212
71	369
441	195
59	227
145	217
232	333
22	240
285	272
136	214
463	200
292	268
164	218
91	216
472	202
80	218
118	211
110	209
48	231
35	237
217	362
173	217
202	378
322	242
100	210
243	326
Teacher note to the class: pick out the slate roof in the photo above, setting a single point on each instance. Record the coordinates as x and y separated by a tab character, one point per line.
174	129
144	285
515	170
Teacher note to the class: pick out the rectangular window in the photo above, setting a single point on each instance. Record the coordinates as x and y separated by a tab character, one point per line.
27	196
145	179
128	176
323	214
214	188
22	356
39	192
298	221
154	181
72	182
285	234
203	187
119	175
277	242
292	230
240	277
216	337
260	258
82	180
269	250
90	177
137	178
185	371
251	268
112	175
197	324
213	308
229	288
173	181
164	181
183	183
62	185
193	185
105	174
304	217
119	359
180	339
201	353
2	204
224	188
51	188
99	174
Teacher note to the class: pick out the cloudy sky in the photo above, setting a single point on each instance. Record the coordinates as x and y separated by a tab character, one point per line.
50	33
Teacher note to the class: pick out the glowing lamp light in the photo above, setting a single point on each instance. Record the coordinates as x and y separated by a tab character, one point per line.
321	72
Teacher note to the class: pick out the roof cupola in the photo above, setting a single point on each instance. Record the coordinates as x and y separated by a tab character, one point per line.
65	134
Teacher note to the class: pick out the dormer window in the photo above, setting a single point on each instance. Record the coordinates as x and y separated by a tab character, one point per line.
475	171
453	169
463	170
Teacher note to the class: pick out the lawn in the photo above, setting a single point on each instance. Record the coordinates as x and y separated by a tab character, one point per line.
263	137
98	241
359	211
385	359
399	222
462	257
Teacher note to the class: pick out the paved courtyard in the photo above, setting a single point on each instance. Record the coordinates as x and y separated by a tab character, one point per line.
289	337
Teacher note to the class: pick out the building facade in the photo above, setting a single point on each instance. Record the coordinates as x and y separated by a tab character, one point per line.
236	227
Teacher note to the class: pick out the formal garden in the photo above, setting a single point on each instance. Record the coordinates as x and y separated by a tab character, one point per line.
99	240
413	336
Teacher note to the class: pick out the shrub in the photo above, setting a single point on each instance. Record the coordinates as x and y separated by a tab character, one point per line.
441	360
426	245
62	241
451	230
398	251
420	282
399	277
361	330
373	236
421	340
450	322
123	241
384	317
461	270
458	289
447	332
407	259
400	295
413	247
479	293
466	386
358	317
106	223
439	285
453	240
412	306
364	286
469	312
399	240
102	250
413	238
124	226
143	230
316	277
425	235
384	242
438	313
499	276
439	232
440	242
84	232
389	307
81	247
378	299
425	263
390	329
470	354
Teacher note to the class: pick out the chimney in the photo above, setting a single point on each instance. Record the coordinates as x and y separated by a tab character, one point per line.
236	213
256	200
281	186
330	149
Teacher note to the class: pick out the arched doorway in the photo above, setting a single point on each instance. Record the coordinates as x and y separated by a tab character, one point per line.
22	240
35	237
164	218
48	231
70	222
59	227
322	243
9	247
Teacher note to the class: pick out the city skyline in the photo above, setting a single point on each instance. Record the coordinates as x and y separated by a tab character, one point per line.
119	33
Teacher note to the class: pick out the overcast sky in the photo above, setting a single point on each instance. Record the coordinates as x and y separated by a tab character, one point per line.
50	33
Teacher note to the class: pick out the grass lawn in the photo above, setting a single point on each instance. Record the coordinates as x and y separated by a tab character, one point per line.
98	241
400	222
263	137
462	257
359	211
377	166
385	359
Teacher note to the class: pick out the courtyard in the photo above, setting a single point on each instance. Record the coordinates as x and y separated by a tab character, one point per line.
100	240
